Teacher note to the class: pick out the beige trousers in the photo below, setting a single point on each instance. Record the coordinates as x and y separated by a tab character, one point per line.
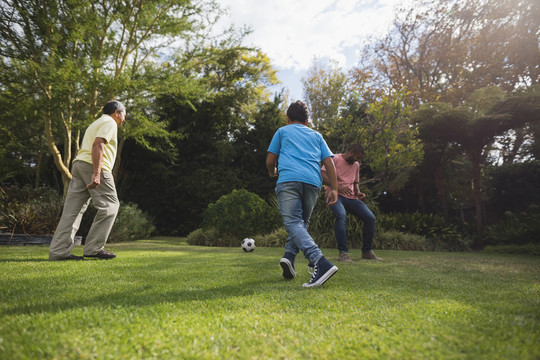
78	198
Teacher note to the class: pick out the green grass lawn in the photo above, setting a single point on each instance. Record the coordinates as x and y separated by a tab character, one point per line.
163	299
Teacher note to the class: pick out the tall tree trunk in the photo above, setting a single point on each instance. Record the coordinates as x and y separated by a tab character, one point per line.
441	190
475	158
57	156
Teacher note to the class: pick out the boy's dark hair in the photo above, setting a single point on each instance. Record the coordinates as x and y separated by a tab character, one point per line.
298	111
357	148
112	106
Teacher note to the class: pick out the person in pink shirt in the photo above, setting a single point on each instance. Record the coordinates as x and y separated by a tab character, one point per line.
350	201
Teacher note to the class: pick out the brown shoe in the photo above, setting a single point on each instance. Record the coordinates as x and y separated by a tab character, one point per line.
344	257
102	254
370	255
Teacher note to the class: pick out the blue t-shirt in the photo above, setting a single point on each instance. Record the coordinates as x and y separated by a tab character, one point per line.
300	151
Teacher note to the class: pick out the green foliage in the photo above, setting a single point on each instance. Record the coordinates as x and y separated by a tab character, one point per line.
131	224
527	249
240	214
204	237
431	226
395	240
325	87
29	211
391	142
513	187
37	212
277	238
516	229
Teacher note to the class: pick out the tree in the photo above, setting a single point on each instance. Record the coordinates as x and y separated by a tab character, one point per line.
251	144
346	111
209	122
438	147
391	141
474	126
445	50
325	87
70	57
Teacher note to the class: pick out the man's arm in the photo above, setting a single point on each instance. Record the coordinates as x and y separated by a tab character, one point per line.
332	195
341	189
97	158
357	193
271	160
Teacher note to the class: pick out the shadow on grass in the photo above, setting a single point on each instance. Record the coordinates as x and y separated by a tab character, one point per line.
142	296
25	260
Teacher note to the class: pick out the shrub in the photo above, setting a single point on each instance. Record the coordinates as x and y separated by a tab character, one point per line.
37	212
131	224
395	240
529	249
516	229
238	215
29	211
277	238
433	227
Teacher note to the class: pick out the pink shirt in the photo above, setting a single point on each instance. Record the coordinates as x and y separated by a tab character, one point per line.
347	174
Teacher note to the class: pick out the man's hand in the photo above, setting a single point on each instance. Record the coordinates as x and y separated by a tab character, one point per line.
344	190
97	158
360	196
95	181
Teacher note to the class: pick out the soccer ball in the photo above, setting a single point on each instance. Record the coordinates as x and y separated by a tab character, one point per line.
248	245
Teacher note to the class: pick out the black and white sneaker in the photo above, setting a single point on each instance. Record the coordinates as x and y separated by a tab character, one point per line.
287	264
322	271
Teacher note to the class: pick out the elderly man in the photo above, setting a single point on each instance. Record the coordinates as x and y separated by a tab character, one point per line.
92	179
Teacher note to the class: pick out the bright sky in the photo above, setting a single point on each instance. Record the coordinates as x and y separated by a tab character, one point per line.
293	32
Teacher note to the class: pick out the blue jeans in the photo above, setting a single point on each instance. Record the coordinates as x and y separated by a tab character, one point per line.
296	202
362	212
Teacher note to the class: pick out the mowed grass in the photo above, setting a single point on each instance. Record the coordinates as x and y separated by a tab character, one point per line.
163	299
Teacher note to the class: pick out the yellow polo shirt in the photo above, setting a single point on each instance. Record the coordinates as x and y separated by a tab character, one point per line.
105	127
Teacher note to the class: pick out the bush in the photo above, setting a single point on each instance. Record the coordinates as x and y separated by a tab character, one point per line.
238	215
513	187
277	238
516	229
131	224
37	212
395	240
29	211
441	234
528	249
210	237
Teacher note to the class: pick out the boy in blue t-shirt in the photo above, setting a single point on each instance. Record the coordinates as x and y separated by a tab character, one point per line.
295	155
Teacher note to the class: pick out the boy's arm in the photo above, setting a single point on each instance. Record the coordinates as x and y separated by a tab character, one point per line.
271	160
332	195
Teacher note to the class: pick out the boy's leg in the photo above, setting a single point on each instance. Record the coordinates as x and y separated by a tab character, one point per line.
287	261
294	198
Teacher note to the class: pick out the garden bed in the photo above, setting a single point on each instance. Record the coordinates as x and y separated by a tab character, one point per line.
23	239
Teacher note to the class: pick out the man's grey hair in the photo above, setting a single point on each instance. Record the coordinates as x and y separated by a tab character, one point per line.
112	106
